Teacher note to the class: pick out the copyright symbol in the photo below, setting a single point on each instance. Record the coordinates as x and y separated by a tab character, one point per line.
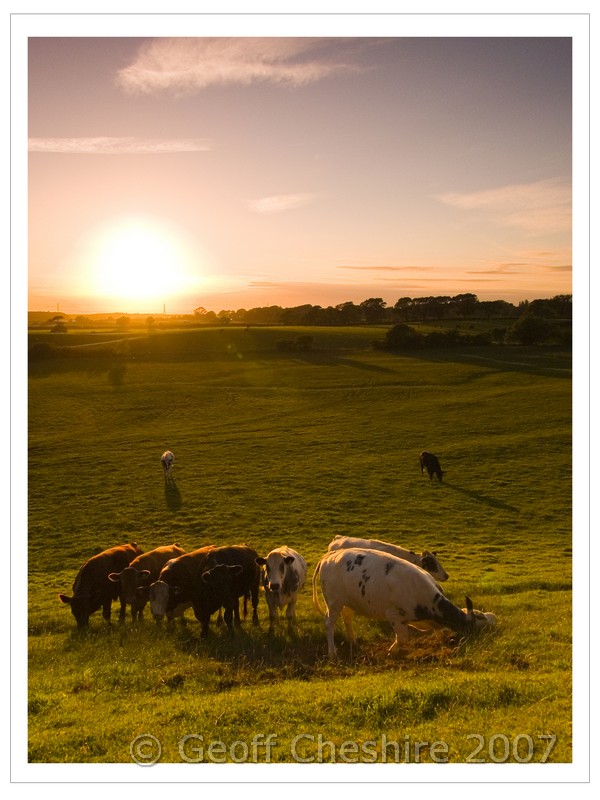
145	750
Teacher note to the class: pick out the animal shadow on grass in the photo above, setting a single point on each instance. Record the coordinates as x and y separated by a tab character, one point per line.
172	495
481	498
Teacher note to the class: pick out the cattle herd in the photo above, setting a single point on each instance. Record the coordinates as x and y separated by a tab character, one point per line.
368	577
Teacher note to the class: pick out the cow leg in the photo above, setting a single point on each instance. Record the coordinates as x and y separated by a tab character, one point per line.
397	622
330	620
273	610
220	617
290	613
255	620
229	614
236	613
348	616
106	610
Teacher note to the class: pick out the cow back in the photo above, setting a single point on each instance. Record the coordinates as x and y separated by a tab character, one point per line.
93	575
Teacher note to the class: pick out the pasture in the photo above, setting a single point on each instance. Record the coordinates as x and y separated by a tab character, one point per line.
292	448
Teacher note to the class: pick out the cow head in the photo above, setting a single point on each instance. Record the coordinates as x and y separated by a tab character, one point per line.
163	598
129	580
274	572
81	606
219	580
430	563
478	620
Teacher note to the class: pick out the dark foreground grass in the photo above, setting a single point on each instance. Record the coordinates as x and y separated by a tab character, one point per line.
273	449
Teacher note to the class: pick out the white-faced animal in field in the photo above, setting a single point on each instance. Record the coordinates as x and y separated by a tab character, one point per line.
135	579
426	560
383	587
167	460
283	576
430	463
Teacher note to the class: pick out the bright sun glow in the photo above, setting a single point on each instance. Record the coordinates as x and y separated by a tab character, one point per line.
141	262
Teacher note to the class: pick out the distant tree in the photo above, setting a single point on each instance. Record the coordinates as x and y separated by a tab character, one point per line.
465	304
373	310
530	329
349	313
401	336
402	308
123	324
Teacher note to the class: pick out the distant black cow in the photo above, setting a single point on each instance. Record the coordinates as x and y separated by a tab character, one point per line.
93	589
229	573
430	463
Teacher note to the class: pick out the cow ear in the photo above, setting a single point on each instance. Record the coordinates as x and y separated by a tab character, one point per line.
64	599
205	577
289	559
115	577
143	592
236	569
144	574
469	607
260	561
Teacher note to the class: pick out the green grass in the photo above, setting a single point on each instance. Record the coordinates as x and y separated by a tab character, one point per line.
292	449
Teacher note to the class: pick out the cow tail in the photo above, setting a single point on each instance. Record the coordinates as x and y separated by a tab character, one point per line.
316	575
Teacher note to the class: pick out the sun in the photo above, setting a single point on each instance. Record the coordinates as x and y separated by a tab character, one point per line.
141	261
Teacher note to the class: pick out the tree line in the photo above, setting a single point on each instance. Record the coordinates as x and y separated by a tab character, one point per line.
375	311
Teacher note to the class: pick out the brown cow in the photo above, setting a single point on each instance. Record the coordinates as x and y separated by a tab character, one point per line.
93	590
143	570
178	583
230	573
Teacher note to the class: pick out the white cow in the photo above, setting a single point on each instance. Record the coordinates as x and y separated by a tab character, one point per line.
167	460
383	587
283	577
427	561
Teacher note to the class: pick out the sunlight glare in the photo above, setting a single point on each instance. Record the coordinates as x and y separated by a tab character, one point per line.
142	262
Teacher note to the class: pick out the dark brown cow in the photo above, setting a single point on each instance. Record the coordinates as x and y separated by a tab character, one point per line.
178	583
230	573
142	571
430	463
93	590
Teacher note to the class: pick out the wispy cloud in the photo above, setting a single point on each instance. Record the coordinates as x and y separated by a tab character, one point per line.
111	145
281	202
540	207
189	64
385	269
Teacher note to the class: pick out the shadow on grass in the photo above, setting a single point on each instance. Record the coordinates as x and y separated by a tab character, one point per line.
172	495
481	498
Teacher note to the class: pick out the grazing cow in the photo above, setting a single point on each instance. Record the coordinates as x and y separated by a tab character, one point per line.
178	584
283	577
430	463
92	588
167	459
383	587
230	573
142	571
427	560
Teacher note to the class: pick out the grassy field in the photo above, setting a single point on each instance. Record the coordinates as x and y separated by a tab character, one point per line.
292	448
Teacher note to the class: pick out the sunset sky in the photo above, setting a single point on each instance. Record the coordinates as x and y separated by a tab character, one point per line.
233	171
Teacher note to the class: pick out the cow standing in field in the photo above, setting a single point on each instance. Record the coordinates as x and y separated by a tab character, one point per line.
427	560
92	588
230	573
143	570
283	577
383	587
430	463
167	460
178	584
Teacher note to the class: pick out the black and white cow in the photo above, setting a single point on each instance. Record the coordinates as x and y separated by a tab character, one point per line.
283	576
430	463
383	587
427	560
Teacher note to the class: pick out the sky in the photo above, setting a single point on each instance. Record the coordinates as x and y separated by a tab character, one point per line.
240	171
